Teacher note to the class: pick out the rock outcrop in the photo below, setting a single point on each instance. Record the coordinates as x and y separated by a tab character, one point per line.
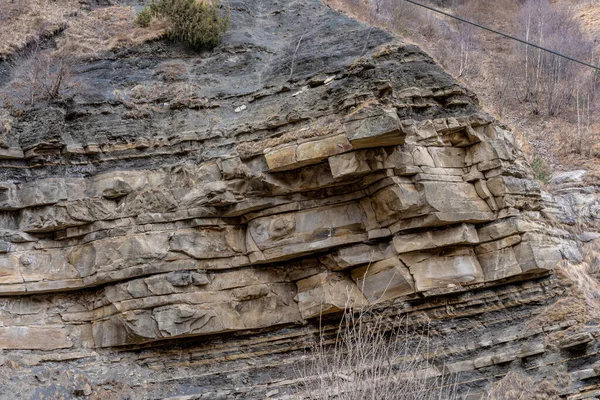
180	235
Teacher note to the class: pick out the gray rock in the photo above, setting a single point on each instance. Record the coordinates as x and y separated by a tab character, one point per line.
116	189
568	177
588	236
578	339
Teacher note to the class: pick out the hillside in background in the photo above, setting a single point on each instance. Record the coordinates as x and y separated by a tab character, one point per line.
553	102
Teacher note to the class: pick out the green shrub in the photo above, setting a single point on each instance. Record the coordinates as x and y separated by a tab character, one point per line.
197	24
540	170
144	17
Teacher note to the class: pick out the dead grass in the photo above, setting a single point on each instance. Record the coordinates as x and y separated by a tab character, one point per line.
25	21
354	8
6	123
516	385
85	33
582	303
372	357
171	71
106	29
36	76
567	308
43	74
584	284
175	95
137	112
144	99
162	92
591	256
589	17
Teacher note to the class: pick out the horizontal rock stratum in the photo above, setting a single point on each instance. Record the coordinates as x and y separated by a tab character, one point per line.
190	248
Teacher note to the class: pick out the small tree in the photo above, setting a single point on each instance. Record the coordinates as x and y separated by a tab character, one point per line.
37	76
144	17
197	24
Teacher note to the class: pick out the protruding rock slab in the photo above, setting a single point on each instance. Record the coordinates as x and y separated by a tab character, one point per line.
34	338
358	254
374	128
443	268
327	292
462	234
537	254
197	311
384	280
292	234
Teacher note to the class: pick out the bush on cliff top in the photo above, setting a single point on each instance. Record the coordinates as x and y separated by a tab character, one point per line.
197	24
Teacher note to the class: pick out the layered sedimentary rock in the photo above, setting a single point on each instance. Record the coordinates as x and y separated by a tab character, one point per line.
312	162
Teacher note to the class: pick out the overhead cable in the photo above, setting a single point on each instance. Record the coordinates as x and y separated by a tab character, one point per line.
503	34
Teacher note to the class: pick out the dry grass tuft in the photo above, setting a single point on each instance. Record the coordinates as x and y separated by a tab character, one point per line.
106	29
568	308
371	357
175	95
162	92
584	285
6	123
589	17
518	386
583	301
25	21
171	71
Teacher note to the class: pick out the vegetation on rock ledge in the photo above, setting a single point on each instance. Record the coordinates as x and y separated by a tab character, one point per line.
197	24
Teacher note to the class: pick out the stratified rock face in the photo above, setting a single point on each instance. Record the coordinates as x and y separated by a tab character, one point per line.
313	161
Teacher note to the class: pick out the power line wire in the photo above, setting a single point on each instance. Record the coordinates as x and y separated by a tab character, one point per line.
503	34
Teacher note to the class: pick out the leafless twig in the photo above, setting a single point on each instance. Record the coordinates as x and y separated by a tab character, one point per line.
362	53
370	356
294	56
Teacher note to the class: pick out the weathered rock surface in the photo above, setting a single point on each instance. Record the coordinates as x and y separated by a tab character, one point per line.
347	176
